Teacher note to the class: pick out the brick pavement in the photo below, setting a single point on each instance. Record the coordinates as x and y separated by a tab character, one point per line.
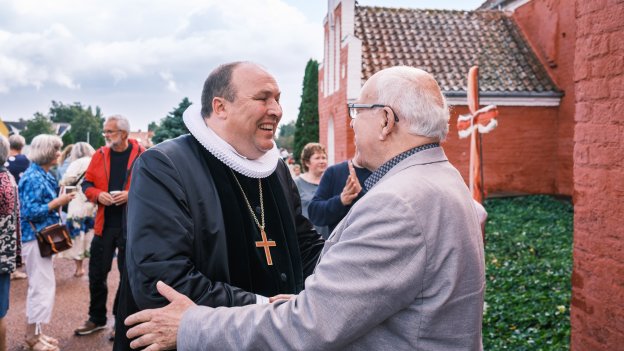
70	310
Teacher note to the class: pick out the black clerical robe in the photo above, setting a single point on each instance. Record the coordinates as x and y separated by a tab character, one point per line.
189	226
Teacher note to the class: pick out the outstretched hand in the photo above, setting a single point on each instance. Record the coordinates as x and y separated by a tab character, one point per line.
158	328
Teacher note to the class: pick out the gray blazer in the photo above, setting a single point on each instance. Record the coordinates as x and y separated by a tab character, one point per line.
404	270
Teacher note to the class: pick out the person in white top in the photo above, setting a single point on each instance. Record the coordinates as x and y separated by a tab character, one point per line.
80	211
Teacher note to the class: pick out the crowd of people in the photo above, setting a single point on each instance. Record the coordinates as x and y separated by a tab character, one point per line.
382	251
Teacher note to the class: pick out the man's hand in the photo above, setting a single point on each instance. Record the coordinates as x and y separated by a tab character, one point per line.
105	198
158	328
120	198
281	297
352	187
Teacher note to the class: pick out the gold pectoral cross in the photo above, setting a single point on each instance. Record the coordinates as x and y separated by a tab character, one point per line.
266	243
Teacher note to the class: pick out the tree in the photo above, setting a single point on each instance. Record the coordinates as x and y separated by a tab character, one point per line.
286	136
172	125
307	125
41	124
152	126
85	125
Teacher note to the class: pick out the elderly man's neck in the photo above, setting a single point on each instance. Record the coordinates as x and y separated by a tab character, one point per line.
121	146
14	152
402	146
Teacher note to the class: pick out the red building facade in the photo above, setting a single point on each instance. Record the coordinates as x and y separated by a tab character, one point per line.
360	41
571	143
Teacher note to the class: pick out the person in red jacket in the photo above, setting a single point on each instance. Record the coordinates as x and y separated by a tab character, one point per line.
106	183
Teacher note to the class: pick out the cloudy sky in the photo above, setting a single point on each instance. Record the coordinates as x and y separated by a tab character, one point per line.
140	58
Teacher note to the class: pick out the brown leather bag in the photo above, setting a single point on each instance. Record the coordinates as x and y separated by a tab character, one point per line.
52	239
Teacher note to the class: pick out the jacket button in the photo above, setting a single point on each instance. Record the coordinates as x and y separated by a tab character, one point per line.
283	277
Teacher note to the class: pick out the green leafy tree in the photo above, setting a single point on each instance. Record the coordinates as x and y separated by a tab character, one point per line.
286	136
172	125
68	138
85	125
40	124
307	125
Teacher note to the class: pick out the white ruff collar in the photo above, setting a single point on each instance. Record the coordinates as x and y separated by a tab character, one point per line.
261	167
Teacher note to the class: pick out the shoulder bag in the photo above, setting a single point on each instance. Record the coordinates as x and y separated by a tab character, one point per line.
53	238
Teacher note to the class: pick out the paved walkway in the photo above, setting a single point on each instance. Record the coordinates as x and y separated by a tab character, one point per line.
70	310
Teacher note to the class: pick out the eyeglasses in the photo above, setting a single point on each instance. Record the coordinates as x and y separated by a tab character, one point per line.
353	109
107	132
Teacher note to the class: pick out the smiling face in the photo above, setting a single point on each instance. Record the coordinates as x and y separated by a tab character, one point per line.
251	119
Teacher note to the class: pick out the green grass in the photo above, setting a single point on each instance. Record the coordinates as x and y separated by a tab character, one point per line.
528	267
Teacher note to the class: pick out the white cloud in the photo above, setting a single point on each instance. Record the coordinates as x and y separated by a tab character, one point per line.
97	49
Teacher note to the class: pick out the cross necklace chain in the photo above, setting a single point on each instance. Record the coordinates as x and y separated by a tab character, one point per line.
264	243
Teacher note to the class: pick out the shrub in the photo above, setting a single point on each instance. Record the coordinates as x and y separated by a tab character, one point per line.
528	267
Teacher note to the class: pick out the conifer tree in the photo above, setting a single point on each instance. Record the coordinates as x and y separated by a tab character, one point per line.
172	126
307	125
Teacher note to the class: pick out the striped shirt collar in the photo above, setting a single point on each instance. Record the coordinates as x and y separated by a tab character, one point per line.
386	167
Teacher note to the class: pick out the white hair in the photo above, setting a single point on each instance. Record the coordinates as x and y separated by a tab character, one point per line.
81	150
43	148
122	122
4	149
415	96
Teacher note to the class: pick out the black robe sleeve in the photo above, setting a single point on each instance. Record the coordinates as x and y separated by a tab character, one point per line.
161	239
310	242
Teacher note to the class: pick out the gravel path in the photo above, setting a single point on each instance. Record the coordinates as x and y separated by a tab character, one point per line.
70	310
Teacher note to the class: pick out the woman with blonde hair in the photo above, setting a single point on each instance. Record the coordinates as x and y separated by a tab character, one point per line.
64	162
39	208
80	211
314	163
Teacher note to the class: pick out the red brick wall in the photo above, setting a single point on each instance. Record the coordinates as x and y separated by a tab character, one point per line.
597	311
518	156
549	26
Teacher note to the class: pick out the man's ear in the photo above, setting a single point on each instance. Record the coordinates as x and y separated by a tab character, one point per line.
218	107
388	124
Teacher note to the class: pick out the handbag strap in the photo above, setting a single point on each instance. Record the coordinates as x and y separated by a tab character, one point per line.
79	178
60	220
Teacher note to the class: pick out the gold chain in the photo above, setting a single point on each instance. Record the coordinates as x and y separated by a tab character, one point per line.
261	226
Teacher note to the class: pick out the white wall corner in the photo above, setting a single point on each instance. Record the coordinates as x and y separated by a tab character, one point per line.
354	68
348	18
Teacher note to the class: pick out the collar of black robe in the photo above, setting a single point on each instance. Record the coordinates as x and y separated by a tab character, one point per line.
247	264
261	167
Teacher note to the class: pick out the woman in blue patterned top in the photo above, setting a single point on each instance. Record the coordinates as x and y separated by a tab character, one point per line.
39	206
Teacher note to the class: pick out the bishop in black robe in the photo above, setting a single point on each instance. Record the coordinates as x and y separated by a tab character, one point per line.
190	226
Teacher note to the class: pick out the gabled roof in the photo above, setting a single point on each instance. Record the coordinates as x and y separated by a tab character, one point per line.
447	43
16	127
